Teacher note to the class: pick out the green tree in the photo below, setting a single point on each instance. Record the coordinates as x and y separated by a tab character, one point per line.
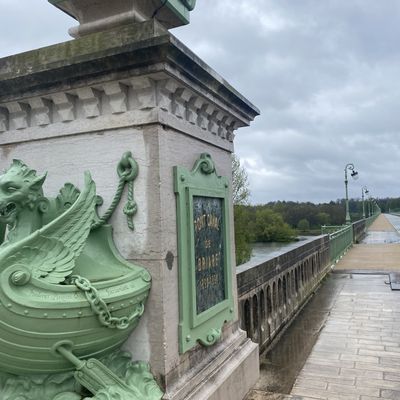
241	195
240	183
323	218
242	234
270	227
303	225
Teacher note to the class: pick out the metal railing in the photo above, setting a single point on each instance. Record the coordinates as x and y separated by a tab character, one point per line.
340	241
371	219
328	229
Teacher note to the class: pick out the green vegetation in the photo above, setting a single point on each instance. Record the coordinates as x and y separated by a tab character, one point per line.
241	194
269	226
240	183
242	235
303	225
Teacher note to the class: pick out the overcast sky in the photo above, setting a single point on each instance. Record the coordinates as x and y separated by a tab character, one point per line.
325	75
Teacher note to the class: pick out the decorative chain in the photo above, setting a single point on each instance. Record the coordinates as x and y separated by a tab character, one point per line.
100	308
127	171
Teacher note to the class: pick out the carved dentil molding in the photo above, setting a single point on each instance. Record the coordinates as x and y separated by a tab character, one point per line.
168	96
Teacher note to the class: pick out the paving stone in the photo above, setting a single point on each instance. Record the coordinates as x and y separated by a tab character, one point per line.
361	372
370	398
376	347
379	353
311	383
390	394
323	370
378	383
344	380
376	367
392	376
353	357
389	361
374	342
356	390
322	394
333	363
352	349
324	355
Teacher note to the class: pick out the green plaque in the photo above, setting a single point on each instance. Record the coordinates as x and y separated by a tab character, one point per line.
205	281
208	251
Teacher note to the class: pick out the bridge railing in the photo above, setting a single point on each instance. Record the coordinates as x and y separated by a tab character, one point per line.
327	229
359	230
371	219
339	242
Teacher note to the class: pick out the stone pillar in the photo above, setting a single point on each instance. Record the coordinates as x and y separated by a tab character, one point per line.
80	105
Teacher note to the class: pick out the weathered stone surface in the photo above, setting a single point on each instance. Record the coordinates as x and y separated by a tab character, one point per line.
82	104
125	52
97	15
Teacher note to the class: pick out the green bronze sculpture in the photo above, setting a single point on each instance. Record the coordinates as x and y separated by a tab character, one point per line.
67	298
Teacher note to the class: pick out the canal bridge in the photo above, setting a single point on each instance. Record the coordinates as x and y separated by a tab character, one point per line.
325	314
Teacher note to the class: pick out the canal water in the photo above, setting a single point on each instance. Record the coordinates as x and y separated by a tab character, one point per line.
265	251
280	366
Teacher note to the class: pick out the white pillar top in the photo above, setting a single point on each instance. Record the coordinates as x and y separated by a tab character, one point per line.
99	15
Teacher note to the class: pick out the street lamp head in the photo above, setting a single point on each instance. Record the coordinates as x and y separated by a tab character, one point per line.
354	175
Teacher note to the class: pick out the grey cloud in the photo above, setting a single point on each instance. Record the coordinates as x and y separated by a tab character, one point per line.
326	83
28	24
323	73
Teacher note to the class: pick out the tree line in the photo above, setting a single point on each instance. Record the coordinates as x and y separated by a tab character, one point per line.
283	221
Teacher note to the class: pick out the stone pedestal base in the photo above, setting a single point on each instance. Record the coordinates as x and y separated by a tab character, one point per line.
230	375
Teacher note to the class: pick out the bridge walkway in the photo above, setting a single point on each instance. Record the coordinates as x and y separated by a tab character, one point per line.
379	251
345	344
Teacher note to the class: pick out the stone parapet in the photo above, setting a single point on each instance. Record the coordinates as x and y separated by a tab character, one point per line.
271	294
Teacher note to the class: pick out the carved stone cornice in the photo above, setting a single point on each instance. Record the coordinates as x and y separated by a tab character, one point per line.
130	76
156	98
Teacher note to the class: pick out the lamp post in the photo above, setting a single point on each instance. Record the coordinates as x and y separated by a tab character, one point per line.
369	206
377	209
364	190
374	206
354	175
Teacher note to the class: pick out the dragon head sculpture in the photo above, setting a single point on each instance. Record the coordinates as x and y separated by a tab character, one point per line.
20	188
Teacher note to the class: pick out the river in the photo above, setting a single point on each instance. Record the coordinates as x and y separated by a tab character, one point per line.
265	251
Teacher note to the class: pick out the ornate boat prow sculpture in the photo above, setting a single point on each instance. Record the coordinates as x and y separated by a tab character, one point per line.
65	292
